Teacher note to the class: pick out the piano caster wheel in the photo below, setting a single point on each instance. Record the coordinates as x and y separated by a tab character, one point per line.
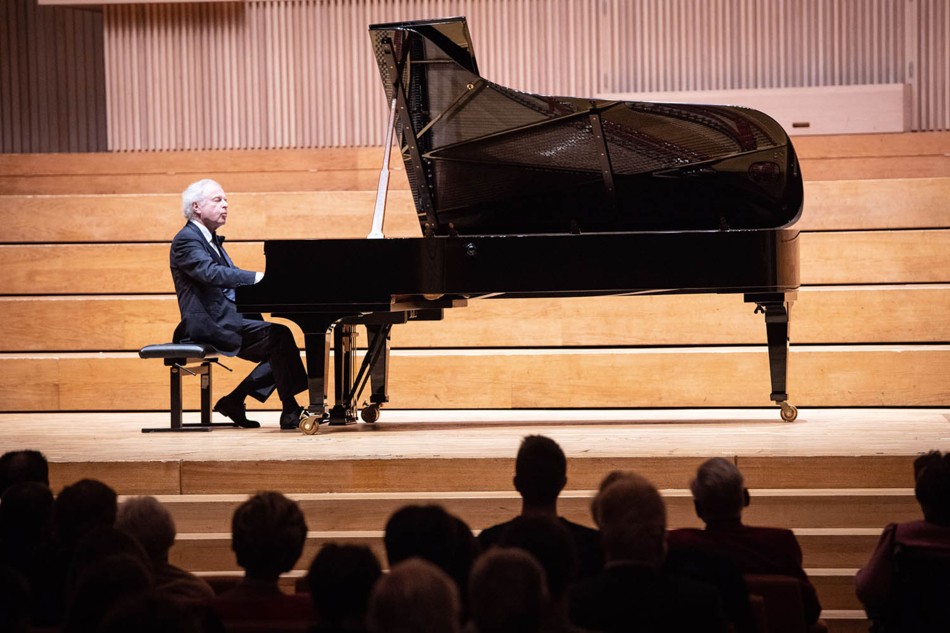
309	424
370	413
789	412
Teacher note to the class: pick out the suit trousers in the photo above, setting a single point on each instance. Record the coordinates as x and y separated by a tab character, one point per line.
272	346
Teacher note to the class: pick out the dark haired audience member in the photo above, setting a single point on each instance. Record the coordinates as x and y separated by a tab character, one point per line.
26	544
431	533
633	593
507	593
23	465
540	476
416	596
151	524
151	612
341	580
79	509
551	545
910	549
719	497
268	532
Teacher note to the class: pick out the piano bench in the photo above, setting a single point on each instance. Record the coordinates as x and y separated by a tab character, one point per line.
194	359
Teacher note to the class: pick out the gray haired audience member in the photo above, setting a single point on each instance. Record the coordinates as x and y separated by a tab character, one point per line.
415	597
151	524
720	496
633	592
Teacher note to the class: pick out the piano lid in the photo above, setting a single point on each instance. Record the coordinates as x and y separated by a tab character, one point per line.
485	159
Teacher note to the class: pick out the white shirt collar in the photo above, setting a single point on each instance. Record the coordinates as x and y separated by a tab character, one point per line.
204	230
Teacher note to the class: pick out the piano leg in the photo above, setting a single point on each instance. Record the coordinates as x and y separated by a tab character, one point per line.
344	368
317	348
776	307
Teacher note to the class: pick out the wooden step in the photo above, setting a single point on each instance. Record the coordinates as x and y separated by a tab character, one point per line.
845	620
819	376
860	257
829	205
792	508
820	314
872	145
211	551
835	588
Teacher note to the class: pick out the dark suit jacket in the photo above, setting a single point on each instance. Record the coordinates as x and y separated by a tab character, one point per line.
201	278
629	598
754	550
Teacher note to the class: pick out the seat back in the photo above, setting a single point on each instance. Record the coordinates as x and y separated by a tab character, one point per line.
782	595
920	598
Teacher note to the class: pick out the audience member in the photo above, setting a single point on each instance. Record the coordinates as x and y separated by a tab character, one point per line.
151	524
78	509
14	602
99	586
431	533
416	596
340	580
26	543
920	547
23	465
540	476
719	496
507	593
633	593
152	612
268	532
551	545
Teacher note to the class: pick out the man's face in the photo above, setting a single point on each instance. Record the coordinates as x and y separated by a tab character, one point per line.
213	210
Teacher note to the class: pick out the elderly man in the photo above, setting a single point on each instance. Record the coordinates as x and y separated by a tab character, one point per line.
205	279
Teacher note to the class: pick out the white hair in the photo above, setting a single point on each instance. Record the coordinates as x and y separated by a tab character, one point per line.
195	193
719	487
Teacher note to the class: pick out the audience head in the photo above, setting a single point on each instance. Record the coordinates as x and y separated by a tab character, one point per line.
268	532
719	492
80	507
150	523
932	486
96	545
341	579
431	533
632	519
100	586
540	470
414	597
551	544
25	513
24	465
507	592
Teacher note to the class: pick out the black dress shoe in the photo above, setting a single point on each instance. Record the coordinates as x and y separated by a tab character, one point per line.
236	412
290	420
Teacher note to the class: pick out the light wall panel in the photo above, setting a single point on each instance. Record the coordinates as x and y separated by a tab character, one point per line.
300	73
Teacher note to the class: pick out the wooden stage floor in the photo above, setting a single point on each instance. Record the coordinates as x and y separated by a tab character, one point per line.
448	443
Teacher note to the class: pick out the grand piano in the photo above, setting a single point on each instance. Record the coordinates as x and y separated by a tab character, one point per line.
525	195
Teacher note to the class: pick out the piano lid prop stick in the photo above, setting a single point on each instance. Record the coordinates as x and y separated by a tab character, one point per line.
383	189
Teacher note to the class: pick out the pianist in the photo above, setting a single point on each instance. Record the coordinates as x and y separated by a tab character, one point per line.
205	279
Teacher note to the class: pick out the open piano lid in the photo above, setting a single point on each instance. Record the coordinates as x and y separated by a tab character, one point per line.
485	159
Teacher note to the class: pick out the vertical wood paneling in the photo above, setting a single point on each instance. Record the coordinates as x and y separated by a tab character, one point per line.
52	84
300	73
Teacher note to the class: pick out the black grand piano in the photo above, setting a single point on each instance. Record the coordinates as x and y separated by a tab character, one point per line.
524	195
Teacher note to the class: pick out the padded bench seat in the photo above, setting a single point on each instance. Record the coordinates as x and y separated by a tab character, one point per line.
179	357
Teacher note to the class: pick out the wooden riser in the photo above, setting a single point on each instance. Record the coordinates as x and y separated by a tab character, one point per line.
212	551
819	376
446	478
870	257
820	314
845	508
894	203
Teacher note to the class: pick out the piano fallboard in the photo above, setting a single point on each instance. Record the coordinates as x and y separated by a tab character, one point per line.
368	275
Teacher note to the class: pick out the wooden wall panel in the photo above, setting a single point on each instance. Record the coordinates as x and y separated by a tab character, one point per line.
52	79
823	314
819	376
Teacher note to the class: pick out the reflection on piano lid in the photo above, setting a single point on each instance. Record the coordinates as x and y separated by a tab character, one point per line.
485	159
